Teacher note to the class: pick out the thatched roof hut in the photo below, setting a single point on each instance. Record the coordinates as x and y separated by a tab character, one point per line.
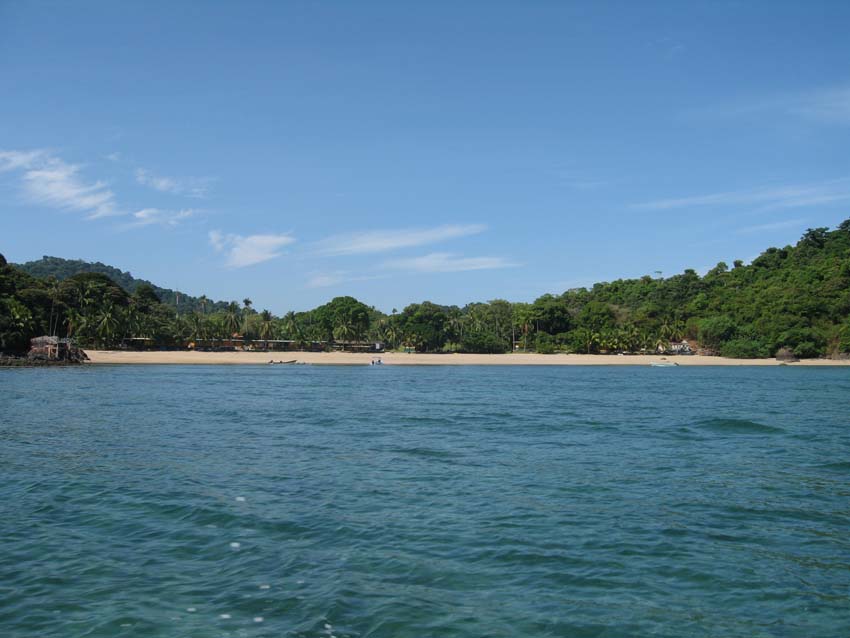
51	348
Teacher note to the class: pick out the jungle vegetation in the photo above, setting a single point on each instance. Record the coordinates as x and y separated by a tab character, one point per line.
796	297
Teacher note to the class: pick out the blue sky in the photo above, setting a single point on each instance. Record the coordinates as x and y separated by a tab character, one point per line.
292	152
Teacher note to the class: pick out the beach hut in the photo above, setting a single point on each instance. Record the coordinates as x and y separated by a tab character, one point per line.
786	355
50	348
44	347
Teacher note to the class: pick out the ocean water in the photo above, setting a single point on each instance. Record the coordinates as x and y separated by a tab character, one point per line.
415	502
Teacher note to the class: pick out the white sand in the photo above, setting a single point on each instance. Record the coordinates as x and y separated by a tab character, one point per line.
394	358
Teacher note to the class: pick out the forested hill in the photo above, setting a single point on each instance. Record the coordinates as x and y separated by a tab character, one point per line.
62	269
795	298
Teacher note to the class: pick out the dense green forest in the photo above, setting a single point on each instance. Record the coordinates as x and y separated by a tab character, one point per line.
62	269
796	297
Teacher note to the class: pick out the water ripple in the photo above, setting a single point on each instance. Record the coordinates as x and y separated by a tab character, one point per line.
321	502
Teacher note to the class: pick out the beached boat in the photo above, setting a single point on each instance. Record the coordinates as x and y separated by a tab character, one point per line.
283	363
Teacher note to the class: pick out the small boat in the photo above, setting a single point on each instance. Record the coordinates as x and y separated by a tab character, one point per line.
283	363
663	364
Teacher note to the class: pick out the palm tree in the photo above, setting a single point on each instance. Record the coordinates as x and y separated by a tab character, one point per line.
345	331
391	334
74	320
132	321
291	327
265	325
203	301
196	326
677	330
53	288
231	317
107	323
589	339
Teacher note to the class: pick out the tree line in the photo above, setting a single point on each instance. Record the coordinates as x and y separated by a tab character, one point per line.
796	297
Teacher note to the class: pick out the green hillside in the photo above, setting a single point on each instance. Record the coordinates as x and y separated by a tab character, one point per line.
795	298
62	269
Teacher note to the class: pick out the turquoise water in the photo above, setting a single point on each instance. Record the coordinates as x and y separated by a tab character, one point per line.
447	501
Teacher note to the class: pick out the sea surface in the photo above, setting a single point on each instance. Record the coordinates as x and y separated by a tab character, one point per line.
434	501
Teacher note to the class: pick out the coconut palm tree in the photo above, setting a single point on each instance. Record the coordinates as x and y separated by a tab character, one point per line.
107	322
231	317
53	290
132	321
289	324
391	334
196	326
345	331
266	325
203	300
677	330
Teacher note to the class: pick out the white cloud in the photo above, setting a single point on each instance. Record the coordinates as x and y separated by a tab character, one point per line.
766	228
12	160
445	262
328	279
189	186
377	241
58	184
325	280
792	196
49	180
241	251
217	240
151	216
825	106
831	106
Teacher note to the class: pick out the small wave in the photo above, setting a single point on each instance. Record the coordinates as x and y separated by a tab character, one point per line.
738	426
838	466
426	452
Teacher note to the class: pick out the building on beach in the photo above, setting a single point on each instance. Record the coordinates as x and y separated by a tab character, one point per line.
52	348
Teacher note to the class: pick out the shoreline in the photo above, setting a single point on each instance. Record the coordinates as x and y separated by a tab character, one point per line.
119	357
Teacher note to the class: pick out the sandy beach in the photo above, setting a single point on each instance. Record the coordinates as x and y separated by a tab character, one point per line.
395	358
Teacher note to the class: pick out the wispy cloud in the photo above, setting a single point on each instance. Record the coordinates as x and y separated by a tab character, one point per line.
158	216
766	228
188	186
241	251
831	105
446	262
378	241
580	181
326	279
47	179
12	160
765	198
329	279
825	105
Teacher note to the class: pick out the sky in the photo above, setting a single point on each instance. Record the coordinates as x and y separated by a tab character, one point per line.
291	152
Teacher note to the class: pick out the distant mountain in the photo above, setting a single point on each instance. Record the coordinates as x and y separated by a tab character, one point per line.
64	268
